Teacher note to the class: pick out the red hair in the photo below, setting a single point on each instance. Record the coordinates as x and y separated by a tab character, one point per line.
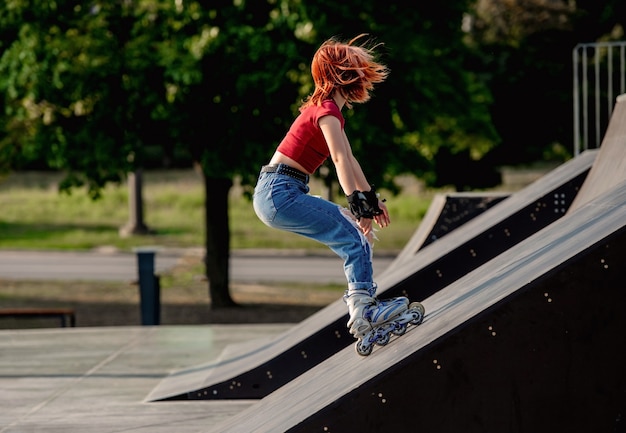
351	69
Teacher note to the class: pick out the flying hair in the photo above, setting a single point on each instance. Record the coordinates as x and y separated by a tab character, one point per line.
348	67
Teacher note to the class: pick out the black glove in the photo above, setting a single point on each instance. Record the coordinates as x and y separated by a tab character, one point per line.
364	204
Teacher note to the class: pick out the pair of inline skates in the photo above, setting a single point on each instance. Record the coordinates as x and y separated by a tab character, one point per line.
373	321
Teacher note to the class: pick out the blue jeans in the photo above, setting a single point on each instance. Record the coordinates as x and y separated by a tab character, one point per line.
283	202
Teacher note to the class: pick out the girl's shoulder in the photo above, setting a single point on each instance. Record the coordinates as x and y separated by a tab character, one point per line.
329	108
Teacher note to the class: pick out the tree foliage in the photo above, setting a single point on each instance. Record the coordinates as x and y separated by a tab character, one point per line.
432	99
116	77
77	84
524	48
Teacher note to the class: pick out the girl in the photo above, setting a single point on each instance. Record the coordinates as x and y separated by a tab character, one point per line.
344	74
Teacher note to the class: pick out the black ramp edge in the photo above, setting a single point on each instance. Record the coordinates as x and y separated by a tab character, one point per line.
431	269
459	209
447	212
531	341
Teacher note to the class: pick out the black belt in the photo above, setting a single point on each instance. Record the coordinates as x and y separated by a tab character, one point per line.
285	169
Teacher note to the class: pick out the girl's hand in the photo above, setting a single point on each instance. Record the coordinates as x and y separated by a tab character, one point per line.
383	219
365	224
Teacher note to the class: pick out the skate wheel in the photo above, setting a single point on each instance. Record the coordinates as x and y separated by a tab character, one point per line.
362	349
420	309
400	330
383	340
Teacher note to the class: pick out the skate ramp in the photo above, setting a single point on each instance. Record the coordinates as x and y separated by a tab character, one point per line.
531	341
446	213
253	372
609	168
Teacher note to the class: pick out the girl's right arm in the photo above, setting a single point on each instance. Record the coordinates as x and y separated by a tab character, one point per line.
349	172
339	153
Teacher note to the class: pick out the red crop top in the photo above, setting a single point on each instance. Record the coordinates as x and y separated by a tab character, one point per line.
304	142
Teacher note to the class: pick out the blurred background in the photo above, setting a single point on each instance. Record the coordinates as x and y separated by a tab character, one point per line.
134	122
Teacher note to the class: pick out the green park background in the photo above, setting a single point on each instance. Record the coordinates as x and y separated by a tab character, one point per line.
196	95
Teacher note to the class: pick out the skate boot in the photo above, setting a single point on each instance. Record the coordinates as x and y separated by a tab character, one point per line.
373	321
383	302
367	312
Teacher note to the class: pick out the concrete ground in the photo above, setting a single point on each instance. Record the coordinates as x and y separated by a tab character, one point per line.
97	380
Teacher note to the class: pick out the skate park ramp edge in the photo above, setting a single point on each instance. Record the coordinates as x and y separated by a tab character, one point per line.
447	212
531	341
255	372
609	168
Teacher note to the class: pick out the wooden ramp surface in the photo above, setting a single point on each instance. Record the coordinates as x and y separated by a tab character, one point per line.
255	371
326	398
609	168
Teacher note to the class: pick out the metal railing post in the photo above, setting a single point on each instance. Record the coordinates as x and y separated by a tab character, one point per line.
592	89
149	287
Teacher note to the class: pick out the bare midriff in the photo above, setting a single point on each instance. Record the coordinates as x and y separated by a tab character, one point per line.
279	158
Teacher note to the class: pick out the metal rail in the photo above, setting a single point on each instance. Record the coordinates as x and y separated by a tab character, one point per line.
599	72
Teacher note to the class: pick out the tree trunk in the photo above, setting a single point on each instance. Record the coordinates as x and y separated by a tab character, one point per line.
135	224
217	228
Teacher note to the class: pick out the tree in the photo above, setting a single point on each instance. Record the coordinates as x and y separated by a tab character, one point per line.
79	85
101	83
229	83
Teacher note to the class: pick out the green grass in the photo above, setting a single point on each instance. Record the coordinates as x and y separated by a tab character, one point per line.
34	215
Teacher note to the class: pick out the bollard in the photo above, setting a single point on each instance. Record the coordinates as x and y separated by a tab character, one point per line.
149	287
